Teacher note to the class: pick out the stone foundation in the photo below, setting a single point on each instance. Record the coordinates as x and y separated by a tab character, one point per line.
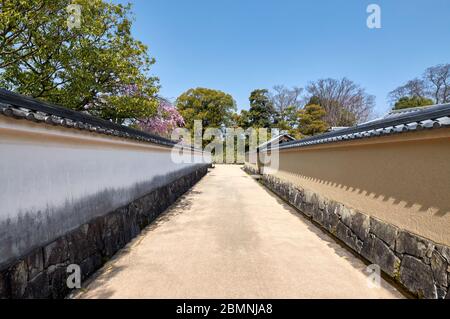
418	264
43	272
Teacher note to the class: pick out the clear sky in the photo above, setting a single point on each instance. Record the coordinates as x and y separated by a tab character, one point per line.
240	45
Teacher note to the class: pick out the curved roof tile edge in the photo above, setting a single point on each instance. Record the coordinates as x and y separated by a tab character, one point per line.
23	107
436	116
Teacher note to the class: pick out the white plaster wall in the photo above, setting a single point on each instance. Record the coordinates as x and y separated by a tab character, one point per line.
38	175
49	170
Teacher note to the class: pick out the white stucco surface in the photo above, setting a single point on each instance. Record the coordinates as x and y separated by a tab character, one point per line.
47	170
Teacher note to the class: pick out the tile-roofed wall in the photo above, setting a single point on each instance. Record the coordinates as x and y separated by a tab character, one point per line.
22	107
409	120
60	169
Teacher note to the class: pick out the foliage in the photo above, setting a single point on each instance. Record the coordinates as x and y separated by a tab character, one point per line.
242	119
415	101
413	88
287	102
434	85
90	67
311	120
288	121
262	112
167	119
214	108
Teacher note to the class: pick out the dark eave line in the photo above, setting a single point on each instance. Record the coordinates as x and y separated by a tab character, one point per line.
430	118
23	107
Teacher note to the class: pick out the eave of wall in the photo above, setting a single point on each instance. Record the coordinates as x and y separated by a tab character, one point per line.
12	129
395	138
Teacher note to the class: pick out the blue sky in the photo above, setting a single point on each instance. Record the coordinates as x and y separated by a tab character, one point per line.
240	45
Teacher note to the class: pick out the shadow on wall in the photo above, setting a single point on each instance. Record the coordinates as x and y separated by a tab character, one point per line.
32	229
414	173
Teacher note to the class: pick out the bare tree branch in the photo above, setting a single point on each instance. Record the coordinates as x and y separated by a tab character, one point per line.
345	102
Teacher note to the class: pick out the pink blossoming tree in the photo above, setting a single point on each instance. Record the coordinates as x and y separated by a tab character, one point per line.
166	119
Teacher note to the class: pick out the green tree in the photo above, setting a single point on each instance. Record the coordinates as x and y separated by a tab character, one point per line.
414	101
243	119
288	120
262	112
214	108
342	116
311	120
97	66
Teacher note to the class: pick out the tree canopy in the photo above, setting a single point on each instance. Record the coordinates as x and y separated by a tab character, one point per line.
262	111
98	66
434	85
287	102
213	107
345	102
311	120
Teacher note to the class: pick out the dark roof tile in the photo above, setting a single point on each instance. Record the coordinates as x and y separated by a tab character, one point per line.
22	107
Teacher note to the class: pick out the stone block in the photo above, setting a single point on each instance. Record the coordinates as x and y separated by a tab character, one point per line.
292	194
57	277
35	263
439	267
332	215
377	252
322	201
333	208
384	231
112	241
330	220
357	222
413	245
346	216
360	225
56	252
307	209
418	277
308	197
317	216
90	265
18	279
38	287
298	200
282	190
348	237
445	252
4	285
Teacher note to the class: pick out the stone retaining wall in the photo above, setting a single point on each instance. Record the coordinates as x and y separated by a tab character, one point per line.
43	272
418	264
